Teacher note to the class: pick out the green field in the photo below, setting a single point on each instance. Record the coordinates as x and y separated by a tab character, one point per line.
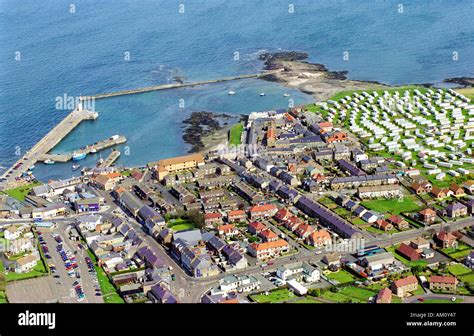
38	271
349	293
235	134
20	192
341	276
181	224
275	296
394	206
458	253
458	269
467	278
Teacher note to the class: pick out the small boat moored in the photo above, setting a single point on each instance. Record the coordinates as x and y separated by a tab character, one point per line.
49	162
31	168
286	95
77	157
231	93
76	166
262	94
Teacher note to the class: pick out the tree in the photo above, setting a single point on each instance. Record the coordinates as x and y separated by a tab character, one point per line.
197	218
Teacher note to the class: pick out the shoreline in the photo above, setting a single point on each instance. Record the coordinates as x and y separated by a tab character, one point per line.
204	130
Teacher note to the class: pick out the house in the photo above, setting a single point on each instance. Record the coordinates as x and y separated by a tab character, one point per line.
236	216
298	271
404	286
385	191
470	206
369	217
304	230
408	252
12	232
319	238
159	294
456	209
446	239
469	186
20	245
236	284
418	188
438	193
212	218
104	182
457	190
398	222
377	261
443	283
427	215
263	211
227	230
256	227
268	249
268	235
420	243
167	166
383	225
131	203
283	215
82	205
333	258
26	263
384	296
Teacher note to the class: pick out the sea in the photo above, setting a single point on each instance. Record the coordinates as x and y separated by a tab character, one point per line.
53	48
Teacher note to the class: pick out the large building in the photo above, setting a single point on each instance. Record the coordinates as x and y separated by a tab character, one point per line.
166	166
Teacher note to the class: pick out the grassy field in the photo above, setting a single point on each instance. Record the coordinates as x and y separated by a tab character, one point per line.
458	253
20	192
235	133
3	295
354	294
394	206
109	293
341	276
38	271
275	296
468	278
458	269
181	224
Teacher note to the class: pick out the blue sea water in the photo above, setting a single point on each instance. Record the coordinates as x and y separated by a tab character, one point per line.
83	53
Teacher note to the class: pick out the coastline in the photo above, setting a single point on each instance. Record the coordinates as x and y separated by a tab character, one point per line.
311	78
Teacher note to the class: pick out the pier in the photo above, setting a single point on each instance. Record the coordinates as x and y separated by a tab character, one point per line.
98	146
176	85
39	152
113	156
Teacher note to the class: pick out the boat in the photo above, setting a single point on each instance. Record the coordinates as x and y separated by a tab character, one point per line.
286	95
100	161
31	168
49	162
93	150
231	93
76	166
77	157
262	94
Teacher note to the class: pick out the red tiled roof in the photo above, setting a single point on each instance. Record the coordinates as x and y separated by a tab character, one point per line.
212	215
447	279
263	208
408	251
269	245
405	281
